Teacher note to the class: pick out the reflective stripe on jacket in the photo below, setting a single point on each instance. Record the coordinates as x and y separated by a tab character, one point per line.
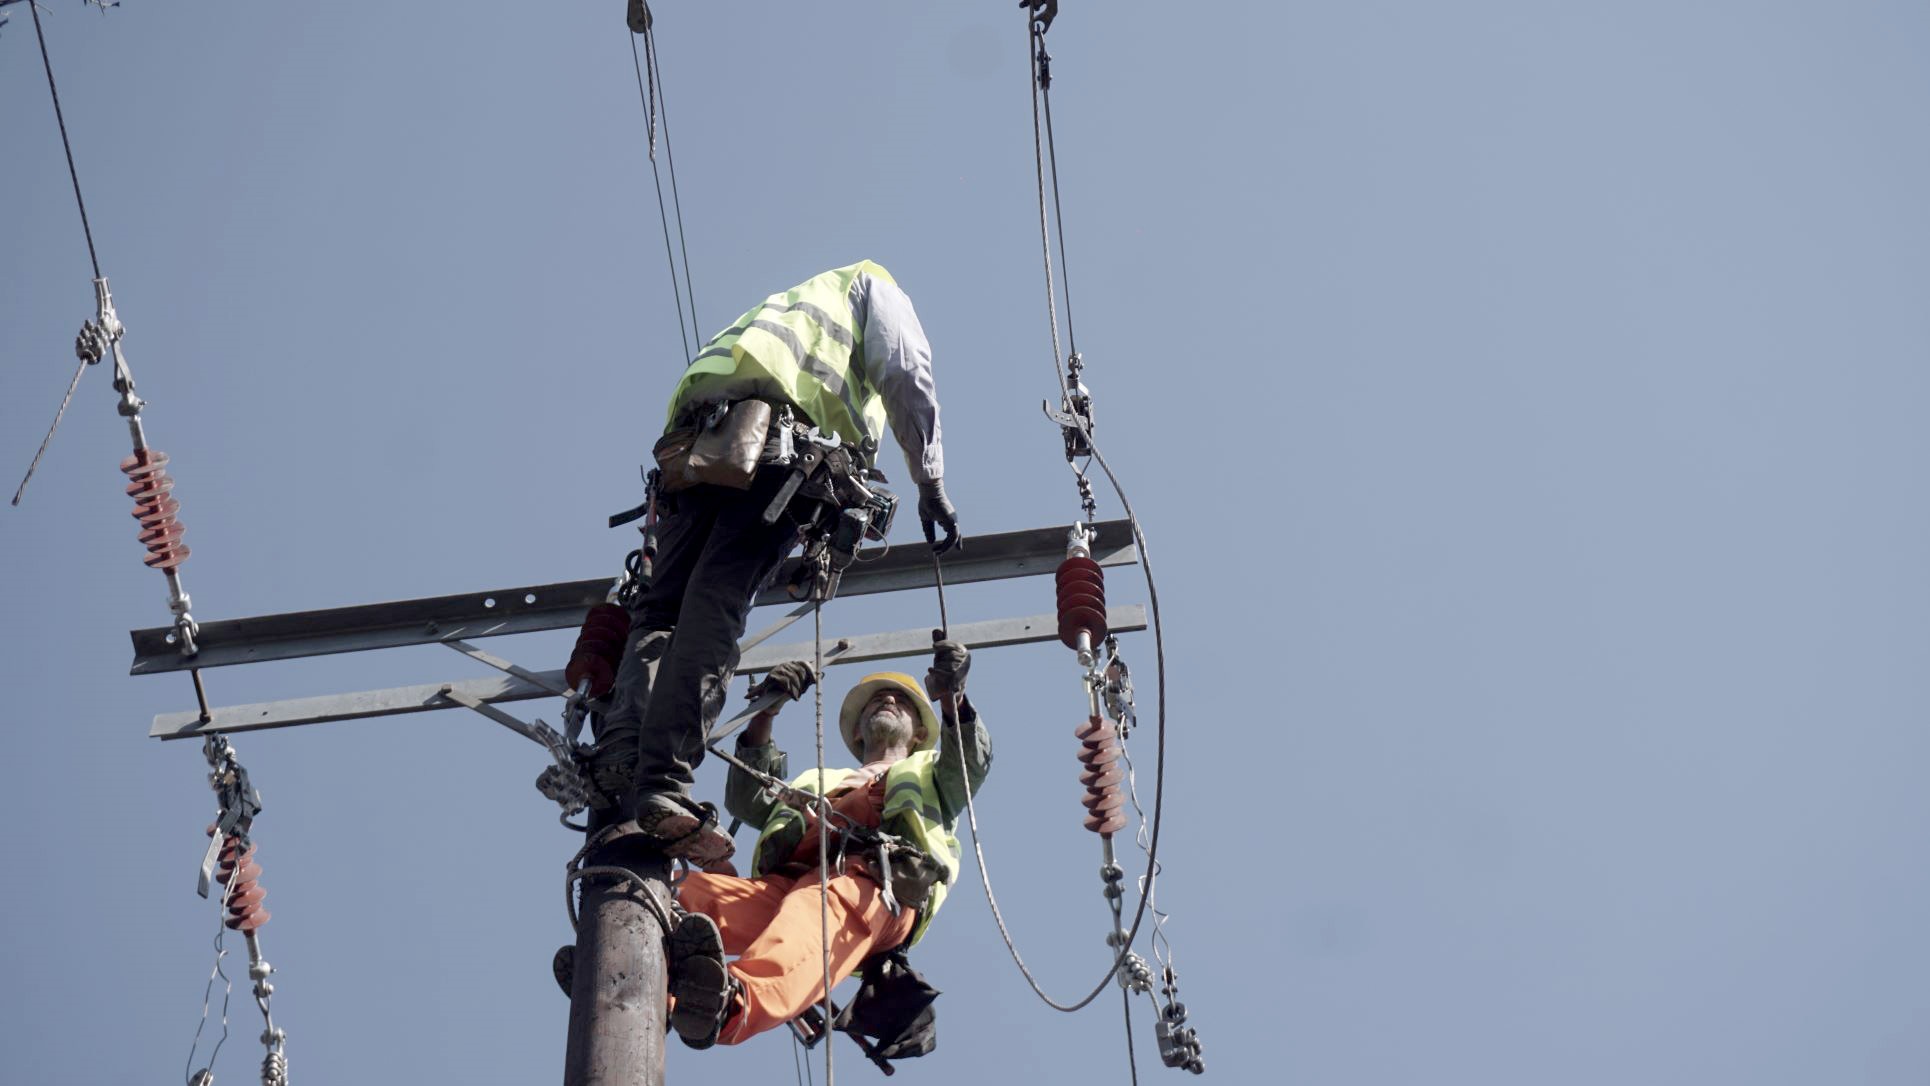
799	344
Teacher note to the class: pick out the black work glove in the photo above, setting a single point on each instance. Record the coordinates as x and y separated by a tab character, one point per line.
950	661
791	680
936	509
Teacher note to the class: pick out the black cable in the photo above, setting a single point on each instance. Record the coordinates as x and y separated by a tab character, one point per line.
1159	781
670	158
1132	1060
650	118
61	119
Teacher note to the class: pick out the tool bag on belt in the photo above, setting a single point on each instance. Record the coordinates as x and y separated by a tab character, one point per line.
722	448
894	1007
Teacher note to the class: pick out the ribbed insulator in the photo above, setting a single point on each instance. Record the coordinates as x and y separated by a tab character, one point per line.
242	876
1099	753
599	648
1082	602
155	507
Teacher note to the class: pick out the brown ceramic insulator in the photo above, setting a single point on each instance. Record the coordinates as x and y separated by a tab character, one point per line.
1103	800
1102	776
242	876
599	649
1082	601
155	507
245	896
1094	730
1099	753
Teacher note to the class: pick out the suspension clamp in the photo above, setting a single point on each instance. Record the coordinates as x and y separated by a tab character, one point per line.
1074	414
1179	1044
239	803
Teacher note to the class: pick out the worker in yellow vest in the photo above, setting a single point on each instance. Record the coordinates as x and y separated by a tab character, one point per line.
911	787
810	377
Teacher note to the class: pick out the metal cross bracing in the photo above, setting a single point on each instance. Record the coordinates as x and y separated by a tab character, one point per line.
613	1036
455	620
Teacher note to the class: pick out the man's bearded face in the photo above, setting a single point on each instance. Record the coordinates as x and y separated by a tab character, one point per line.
887	721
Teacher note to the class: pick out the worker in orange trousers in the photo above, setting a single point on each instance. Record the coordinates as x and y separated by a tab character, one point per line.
911	786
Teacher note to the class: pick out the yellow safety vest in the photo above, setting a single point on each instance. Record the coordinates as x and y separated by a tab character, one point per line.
800	347
911	810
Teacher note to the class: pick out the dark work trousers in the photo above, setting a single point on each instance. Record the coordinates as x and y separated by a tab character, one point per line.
713	553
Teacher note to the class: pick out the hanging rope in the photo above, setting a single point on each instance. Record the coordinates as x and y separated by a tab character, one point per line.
823	804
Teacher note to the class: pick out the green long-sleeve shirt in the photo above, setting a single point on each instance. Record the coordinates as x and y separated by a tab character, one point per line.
959	766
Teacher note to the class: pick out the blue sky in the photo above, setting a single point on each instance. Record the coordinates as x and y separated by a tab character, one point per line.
1524	404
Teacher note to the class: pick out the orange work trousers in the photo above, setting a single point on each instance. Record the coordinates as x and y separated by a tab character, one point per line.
772	924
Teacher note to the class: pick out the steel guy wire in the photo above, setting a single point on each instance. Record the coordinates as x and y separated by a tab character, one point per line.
670	157
1132	1060
663	216
1058	212
1035	45
1065	370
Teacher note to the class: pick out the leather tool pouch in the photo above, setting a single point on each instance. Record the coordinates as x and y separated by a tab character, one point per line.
913	874
722	450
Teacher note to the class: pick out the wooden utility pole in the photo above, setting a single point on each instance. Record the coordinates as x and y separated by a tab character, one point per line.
617	996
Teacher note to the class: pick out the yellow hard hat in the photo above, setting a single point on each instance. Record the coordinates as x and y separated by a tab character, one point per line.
854	703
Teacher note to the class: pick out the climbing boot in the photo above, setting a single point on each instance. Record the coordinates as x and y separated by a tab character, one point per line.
704	990
683	829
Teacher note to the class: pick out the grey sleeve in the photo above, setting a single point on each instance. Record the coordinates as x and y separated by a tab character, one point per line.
744	794
960	764
897	362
